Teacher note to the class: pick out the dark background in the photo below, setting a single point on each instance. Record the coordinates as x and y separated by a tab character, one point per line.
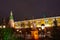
29	8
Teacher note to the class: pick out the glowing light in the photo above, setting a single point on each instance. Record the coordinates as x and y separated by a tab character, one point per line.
38	25
39	29
4	26
17	27
47	25
43	27
20	31
34	34
0	26
17	30
31	26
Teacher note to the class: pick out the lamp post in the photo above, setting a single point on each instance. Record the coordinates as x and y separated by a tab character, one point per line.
3	22
43	31
43	27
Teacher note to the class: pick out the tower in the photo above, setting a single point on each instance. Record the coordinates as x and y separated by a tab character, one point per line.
11	20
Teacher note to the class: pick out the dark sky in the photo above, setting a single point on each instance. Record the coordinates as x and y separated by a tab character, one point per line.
29	8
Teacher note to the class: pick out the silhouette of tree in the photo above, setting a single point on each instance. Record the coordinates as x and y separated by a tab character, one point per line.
55	32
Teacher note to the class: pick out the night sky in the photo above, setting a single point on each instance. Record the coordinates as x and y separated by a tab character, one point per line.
29	8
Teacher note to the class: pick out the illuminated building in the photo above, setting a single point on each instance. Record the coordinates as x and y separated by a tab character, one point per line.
48	22
11	20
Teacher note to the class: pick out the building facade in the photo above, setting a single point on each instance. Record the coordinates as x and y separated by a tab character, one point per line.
47	22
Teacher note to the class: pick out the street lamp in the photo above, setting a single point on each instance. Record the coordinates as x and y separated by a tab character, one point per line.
20	31
43	27
17	30
43	32
4	26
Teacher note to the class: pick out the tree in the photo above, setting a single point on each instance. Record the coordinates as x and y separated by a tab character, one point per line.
55	32
7	34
